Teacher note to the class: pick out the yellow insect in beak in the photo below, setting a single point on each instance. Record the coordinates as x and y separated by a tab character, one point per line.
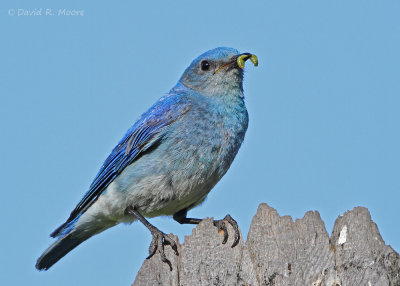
243	58
240	60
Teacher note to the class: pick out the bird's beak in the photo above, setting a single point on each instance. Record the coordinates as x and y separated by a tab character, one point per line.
240	61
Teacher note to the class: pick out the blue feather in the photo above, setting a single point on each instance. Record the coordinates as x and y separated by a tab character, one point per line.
139	138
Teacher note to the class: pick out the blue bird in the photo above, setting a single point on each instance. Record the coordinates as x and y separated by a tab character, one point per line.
169	160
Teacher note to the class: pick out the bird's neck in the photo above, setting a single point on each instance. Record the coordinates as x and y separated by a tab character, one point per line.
229	95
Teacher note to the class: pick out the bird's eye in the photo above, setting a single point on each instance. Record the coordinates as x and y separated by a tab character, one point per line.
205	65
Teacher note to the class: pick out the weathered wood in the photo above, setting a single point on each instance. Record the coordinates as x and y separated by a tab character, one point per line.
362	257
279	251
287	252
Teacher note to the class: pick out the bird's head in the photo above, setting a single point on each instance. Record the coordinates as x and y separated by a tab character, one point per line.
217	72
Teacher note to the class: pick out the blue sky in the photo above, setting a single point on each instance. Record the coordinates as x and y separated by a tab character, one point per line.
323	104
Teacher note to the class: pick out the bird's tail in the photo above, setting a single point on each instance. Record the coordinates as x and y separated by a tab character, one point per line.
69	236
58	250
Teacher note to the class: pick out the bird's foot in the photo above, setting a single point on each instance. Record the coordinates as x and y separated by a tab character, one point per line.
157	244
221	225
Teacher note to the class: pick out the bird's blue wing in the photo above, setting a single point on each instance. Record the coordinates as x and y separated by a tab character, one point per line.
147	131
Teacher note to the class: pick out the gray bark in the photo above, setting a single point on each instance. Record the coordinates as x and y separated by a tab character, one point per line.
280	251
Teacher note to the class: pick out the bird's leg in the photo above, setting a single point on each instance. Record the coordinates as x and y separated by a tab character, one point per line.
182	218
159	238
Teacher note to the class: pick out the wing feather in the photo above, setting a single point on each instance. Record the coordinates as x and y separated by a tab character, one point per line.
136	141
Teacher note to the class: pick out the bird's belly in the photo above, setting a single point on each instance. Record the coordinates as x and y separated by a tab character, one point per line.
164	184
165	194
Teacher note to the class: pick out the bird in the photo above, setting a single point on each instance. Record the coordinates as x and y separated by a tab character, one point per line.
169	160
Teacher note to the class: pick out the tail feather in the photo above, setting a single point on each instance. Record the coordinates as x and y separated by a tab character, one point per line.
65	227
57	250
69	236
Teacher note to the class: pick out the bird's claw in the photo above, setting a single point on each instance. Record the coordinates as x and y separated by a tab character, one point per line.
221	225
157	244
